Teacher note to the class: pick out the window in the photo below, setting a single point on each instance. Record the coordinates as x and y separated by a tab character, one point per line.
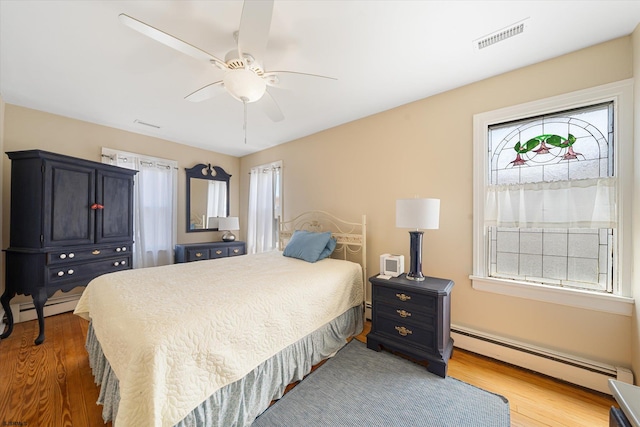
551	198
155	201
265	207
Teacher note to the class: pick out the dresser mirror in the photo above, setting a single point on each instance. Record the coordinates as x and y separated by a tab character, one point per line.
207	197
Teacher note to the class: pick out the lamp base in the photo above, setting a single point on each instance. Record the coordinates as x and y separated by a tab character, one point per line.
418	277
415	270
228	237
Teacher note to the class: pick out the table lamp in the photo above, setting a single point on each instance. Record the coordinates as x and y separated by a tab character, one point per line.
228	223
417	214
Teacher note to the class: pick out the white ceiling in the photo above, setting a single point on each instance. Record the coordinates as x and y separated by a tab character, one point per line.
75	59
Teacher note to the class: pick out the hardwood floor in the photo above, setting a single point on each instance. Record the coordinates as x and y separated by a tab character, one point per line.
52	385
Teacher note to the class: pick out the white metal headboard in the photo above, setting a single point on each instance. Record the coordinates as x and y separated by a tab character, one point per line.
351	237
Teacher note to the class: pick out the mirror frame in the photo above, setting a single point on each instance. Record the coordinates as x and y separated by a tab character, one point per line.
210	173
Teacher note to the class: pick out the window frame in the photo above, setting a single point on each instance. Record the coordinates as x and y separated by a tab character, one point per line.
618	302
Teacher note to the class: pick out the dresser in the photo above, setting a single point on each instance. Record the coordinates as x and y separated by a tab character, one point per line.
71	220
413	318
212	250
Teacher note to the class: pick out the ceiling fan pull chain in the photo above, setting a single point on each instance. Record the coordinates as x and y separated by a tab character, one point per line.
244	103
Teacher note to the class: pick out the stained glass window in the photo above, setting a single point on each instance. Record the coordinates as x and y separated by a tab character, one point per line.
559	148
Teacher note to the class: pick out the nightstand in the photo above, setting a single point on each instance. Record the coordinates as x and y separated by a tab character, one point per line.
413	318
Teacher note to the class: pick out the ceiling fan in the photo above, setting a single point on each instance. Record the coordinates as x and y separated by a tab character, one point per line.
244	76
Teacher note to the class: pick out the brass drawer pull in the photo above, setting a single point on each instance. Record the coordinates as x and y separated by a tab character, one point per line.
235	251
96	252
198	254
403	331
403	313
218	252
403	297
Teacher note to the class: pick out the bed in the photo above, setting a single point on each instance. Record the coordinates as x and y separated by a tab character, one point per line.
213	342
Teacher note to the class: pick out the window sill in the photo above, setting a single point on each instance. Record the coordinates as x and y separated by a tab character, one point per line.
571	297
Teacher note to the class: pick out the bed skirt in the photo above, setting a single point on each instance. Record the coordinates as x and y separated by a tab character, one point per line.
240	403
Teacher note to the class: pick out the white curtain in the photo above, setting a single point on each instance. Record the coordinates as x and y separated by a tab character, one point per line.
155	200
216	201
582	203
263	204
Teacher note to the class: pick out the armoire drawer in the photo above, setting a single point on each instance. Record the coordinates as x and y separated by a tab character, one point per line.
59	274
71	255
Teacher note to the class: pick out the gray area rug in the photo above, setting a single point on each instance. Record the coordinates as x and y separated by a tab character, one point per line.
362	387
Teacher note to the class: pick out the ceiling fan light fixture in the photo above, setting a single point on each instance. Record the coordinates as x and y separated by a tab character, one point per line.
244	85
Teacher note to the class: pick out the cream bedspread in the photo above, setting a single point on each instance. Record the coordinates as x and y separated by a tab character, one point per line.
175	334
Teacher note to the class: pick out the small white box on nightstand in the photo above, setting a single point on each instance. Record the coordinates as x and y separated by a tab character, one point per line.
391	265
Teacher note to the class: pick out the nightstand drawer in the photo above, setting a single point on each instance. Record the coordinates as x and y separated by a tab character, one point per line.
405	332
404	312
403	297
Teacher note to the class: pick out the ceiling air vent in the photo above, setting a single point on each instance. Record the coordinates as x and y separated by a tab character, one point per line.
140	122
500	35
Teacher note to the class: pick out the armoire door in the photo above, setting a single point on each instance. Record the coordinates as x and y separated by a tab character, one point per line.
69	192
114	216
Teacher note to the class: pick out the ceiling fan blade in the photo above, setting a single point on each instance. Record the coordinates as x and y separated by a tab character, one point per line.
169	40
284	79
206	92
255	23
270	107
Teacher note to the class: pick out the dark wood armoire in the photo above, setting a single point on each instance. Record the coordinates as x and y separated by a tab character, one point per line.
71	220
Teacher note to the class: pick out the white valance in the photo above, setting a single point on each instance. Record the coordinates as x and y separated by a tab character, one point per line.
583	203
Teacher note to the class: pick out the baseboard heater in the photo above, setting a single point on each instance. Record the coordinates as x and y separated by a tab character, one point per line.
26	311
585	373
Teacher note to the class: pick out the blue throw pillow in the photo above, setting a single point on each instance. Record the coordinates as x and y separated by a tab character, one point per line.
307	245
328	250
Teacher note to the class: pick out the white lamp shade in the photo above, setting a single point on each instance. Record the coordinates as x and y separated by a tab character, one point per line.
418	213
228	223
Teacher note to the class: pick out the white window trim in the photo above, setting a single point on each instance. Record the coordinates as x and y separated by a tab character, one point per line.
620	302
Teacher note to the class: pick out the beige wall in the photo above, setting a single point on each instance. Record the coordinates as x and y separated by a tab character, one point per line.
425	149
27	129
635	325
